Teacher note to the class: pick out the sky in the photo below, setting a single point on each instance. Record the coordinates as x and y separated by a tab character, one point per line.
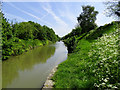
61	16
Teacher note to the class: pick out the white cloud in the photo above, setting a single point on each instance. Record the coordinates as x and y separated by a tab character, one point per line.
60	26
15	17
68	14
30	14
48	9
102	19
44	16
62	30
35	10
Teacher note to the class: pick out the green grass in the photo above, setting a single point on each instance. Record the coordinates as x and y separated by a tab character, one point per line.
98	32
75	72
93	64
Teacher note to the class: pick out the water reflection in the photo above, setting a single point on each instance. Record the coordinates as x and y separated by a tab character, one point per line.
24	62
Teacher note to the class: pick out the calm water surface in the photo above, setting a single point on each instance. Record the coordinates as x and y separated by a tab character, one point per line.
31	69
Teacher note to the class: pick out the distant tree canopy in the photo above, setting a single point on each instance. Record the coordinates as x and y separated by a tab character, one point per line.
31	30
6	29
113	8
74	32
86	19
20	37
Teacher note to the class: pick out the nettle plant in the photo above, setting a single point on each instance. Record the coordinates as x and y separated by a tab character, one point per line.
104	53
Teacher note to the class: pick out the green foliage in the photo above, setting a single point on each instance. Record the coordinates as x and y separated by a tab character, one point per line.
50	34
113	8
98	32
6	29
70	43
86	22
70	39
94	62
39	32
20	37
58	38
75	71
86	19
75	32
24	31
104	53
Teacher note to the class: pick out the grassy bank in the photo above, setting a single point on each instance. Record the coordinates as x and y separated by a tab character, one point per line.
93	63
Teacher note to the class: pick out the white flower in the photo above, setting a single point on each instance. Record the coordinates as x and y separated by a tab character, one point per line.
105	80
109	85
103	83
114	87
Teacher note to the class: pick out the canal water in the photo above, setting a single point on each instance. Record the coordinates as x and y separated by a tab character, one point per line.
30	69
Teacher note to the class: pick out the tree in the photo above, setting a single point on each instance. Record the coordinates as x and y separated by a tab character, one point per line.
113	8
86	19
40	32
76	31
6	32
24	31
50	34
19	37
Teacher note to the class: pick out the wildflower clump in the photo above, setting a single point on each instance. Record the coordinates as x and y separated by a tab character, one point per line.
104	53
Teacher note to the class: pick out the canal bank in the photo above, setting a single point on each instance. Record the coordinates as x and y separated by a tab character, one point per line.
30	70
49	83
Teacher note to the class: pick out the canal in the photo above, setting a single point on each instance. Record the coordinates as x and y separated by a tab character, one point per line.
30	69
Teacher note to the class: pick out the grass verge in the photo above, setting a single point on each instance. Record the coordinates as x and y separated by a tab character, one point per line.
93	65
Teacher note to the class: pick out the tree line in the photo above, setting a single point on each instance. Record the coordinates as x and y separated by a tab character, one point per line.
20	37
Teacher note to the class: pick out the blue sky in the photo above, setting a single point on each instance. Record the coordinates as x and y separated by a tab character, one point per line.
61	16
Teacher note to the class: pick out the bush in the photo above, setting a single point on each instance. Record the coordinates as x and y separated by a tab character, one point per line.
71	44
